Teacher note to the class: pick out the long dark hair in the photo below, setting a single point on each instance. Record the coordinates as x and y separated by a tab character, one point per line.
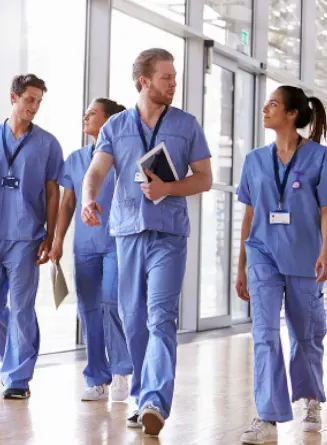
110	107
311	111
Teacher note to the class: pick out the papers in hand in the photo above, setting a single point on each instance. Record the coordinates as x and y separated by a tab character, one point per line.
59	286
159	162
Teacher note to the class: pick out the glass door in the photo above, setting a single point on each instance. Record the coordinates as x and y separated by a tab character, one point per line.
228	125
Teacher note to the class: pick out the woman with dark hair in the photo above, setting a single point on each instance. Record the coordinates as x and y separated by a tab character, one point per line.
96	269
284	248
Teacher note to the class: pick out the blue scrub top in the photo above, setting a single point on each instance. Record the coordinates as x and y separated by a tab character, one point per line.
295	247
23	210
88	239
131	211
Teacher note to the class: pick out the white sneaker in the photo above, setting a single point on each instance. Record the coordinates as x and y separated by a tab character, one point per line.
93	393
119	388
312	419
152	420
260	432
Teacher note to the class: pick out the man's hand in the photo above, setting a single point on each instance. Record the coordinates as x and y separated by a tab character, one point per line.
56	252
241	286
43	252
89	214
156	188
321	266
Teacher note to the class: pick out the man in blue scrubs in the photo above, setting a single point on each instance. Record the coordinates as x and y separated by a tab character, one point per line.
30	162
151	239
96	268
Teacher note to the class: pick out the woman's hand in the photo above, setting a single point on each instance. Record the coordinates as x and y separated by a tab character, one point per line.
321	267
241	286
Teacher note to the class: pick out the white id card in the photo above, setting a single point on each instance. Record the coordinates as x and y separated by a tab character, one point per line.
279	217
138	177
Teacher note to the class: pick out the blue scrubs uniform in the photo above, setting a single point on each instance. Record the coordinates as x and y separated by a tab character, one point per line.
96	278
281	261
151	244
22	229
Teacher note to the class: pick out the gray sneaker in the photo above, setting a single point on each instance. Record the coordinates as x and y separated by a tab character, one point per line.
312	418
259	433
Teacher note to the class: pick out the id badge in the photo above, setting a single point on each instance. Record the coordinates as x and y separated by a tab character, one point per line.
138	177
10	182
279	217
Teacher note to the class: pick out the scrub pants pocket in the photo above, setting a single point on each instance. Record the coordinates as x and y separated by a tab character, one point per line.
318	316
266	288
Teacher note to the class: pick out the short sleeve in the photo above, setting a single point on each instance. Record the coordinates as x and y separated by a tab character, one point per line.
55	161
322	185
65	178
243	190
104	141
199	147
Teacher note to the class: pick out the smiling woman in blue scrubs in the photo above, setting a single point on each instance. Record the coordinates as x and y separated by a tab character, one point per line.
151	239
284	247
96	269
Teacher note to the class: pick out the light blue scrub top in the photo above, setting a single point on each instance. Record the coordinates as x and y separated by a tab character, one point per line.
131	211
295	247
23	210
88	239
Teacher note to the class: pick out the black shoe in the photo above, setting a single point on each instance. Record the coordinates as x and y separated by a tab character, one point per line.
134	421
16	393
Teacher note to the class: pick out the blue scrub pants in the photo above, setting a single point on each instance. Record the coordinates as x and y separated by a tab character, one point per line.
18	269
96	277
151	272
4	316
306	323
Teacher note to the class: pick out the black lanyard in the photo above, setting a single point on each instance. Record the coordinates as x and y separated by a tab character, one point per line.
282	185
155	131
11	159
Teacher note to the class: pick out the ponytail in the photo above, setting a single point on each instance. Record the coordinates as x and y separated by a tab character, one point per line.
318	123
314	115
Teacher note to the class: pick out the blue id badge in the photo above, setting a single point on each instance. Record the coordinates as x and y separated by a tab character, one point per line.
10	182
279	217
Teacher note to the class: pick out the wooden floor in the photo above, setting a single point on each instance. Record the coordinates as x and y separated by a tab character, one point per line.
213	404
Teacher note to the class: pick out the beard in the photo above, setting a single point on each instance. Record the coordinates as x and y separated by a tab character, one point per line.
158	98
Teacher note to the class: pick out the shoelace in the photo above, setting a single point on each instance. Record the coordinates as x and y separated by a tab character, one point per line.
311	412
256	426
120	380
153	407
99	389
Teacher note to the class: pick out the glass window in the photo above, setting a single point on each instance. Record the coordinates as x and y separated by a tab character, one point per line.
271	85
218	118
244	114
284	35
229	23
58	58
215	253
173	9
321	46
216	205
122	88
